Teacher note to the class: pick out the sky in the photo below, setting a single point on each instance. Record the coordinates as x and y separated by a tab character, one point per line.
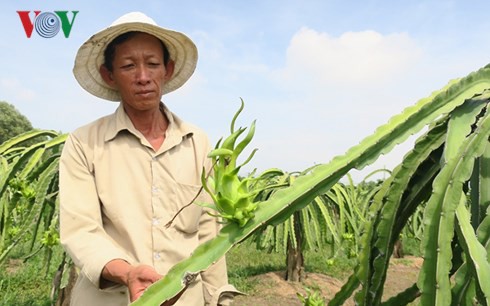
317	76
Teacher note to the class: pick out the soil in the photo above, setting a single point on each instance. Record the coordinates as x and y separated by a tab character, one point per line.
402	274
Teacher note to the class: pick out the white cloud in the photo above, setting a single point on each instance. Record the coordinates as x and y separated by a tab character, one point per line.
360	57
333	92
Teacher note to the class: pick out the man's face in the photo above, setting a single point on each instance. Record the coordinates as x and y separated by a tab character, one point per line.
139	72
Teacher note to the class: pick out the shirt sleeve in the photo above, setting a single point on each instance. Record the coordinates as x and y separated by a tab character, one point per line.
81	228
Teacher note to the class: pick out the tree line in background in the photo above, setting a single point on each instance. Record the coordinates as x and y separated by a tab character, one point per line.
12	122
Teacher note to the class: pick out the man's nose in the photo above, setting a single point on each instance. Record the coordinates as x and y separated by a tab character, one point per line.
142	74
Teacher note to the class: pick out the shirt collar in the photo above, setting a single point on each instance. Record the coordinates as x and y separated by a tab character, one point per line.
176	130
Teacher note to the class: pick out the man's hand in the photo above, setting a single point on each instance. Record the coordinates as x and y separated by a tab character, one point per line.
140	278
136	278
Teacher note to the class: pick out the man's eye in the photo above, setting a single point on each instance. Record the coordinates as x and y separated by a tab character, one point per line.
154	64
127	66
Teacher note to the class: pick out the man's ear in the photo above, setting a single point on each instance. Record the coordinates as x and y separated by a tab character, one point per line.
169	70
107	76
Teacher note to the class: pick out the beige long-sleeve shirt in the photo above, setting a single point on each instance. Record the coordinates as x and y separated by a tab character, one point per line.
117	194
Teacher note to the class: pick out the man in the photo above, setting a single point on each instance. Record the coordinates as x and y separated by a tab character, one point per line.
124	176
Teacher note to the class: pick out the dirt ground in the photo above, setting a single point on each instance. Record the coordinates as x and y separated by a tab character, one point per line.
402	273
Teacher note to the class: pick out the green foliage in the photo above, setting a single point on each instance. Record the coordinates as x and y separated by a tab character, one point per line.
436	174
335	219
29	204
12	122
281	205
444	207
349	208
311	298
29	191
27	282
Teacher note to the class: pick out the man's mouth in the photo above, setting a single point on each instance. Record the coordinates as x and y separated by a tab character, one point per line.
145	93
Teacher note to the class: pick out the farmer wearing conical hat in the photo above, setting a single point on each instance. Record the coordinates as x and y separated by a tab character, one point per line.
124	176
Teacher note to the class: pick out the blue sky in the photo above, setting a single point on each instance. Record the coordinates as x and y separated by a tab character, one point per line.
319	76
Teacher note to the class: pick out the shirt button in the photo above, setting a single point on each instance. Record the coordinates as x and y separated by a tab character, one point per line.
155	221
157	255
154	189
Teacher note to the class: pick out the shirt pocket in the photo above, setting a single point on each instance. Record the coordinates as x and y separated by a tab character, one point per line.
189	216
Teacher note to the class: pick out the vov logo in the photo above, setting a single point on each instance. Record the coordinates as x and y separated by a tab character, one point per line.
47	24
